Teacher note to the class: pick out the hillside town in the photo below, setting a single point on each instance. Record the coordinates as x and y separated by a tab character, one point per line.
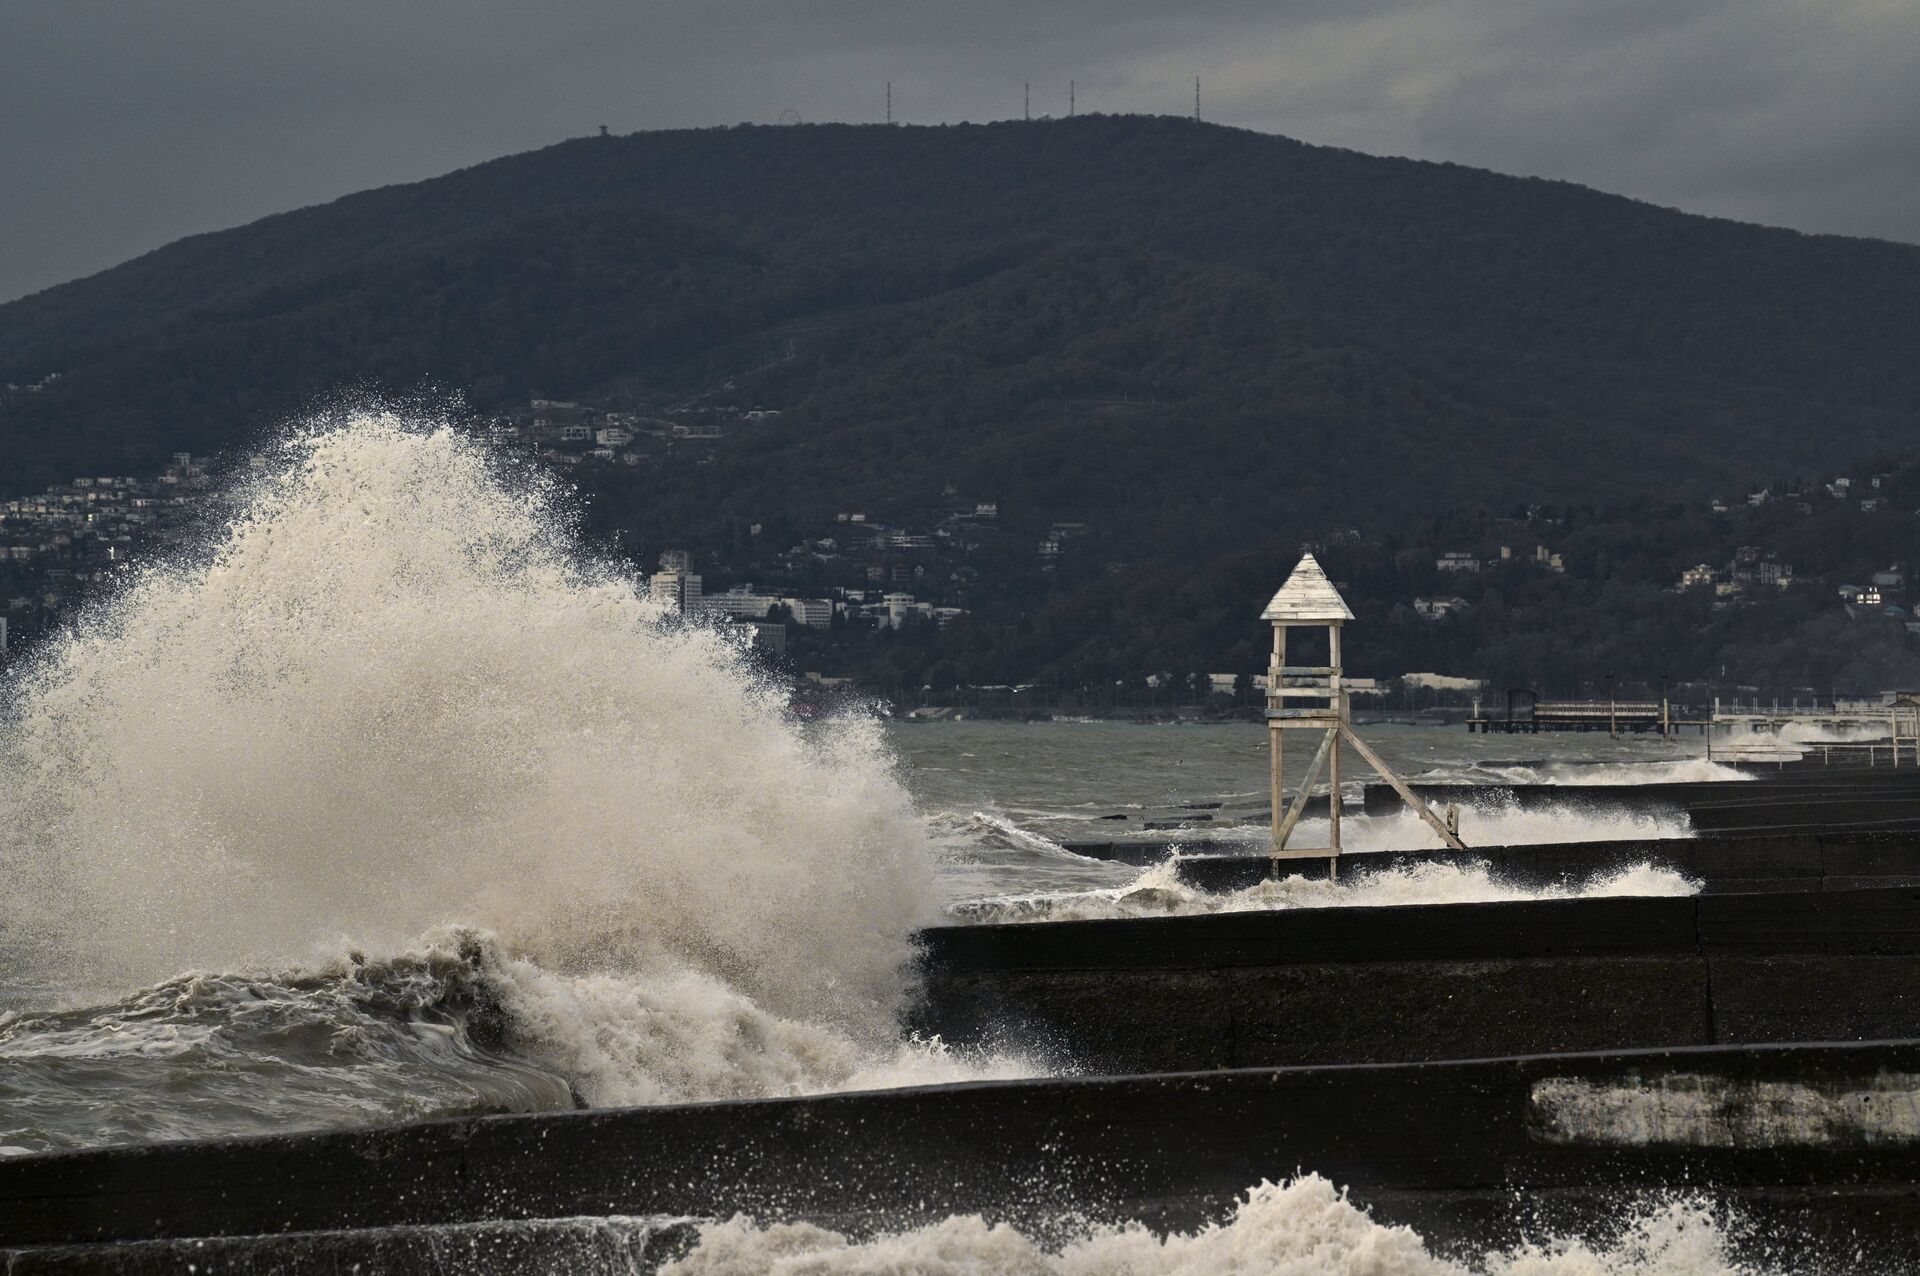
58	546
868	596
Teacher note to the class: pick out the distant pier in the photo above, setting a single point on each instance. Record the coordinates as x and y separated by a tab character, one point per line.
1639	717
1526	714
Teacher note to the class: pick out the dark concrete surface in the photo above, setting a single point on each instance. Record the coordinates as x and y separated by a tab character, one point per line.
1338	985
564	1247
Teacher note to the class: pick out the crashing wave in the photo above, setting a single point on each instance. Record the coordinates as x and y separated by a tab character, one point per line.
458	1026
391	696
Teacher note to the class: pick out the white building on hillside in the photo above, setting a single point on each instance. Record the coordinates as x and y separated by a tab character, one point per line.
677	591
815	613
740	602
900	606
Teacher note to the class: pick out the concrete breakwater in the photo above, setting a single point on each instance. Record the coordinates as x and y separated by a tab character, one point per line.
1448	981
1813	1144
1802	799
1888	798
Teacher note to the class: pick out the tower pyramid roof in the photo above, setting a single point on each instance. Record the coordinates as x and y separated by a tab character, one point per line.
1308	598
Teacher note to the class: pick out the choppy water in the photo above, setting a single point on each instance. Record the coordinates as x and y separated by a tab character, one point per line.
390	802
1001	799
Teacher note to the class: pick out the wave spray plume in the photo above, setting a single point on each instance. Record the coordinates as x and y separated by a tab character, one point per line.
393	697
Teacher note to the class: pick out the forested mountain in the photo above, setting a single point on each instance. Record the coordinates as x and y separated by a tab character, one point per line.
1527	307
1200	341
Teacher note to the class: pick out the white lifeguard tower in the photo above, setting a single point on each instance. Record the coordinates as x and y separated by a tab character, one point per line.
1309	600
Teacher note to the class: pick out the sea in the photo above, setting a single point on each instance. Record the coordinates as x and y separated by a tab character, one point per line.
392	801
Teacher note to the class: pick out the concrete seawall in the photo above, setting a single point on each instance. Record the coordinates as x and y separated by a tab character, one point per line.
1339	985
1816	1145
1799	799
1887	801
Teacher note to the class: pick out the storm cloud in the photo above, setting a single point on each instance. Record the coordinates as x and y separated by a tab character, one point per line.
124	125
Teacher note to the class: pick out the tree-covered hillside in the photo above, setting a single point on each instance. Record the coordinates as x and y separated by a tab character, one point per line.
604	257
1204	344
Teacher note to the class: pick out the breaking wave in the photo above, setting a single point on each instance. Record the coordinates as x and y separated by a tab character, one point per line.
389	698
457	1026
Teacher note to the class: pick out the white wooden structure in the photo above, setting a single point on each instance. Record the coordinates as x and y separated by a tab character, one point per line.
1309	600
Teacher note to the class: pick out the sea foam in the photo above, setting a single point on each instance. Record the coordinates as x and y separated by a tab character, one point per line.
1303	1227
1159	892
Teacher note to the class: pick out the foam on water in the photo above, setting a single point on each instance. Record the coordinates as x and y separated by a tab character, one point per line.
1159	892
990	856
1303	1227
1827	732
1578	774
1106	889
1496	820
683	1035
392	696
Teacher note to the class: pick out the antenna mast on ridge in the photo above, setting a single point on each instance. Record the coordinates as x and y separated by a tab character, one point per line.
1027	110
1069	98
889	101
1196	99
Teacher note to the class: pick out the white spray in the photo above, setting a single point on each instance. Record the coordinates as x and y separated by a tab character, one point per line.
1304	1227
392	697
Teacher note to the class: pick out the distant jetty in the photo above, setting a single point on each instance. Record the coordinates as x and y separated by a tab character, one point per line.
1525	713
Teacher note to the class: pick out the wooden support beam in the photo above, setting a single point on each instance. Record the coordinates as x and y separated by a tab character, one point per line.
1407	795
1333	787
1299	806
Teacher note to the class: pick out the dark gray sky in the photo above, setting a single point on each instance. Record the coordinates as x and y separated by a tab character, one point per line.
125	124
